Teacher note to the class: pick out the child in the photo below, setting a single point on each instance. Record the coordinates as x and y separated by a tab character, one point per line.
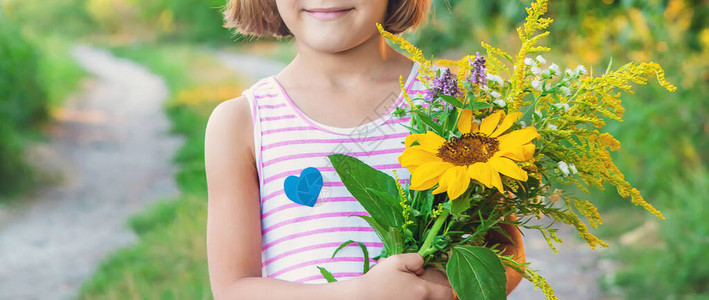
265	239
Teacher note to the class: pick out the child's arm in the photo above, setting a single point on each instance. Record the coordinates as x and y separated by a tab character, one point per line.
234	229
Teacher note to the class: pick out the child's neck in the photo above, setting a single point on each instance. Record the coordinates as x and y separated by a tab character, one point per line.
371	59
343	89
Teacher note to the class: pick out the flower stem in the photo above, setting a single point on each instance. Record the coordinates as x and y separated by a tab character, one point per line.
427	247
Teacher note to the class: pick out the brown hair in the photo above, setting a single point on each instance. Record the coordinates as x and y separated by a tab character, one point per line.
261	18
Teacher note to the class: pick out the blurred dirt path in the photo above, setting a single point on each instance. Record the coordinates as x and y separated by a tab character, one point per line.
573	272
110	143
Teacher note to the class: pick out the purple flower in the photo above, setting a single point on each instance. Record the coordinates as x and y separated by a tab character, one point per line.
443	85
478	72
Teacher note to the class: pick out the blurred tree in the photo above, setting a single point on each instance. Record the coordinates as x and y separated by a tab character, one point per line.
22	104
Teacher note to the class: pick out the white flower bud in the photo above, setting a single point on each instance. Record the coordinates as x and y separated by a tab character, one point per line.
565	90
573	169
570	73
499	102
581	70
537	84
495	95
564	168
536	70
555	68
495	78
541	59
564	106
528	61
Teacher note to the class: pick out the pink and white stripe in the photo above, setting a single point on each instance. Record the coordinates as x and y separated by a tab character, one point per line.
296	238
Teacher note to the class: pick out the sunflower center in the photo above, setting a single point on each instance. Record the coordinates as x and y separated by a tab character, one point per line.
468	149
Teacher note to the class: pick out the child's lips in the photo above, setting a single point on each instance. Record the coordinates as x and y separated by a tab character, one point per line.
325	14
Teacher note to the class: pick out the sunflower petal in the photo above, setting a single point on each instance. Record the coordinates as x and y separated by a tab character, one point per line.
481	173
465	121
410	139
485	174
528	150
518	137
423	177
519	153
497	181
429	140
428	184
488	124
457	181
415	156
439	189
507	123
508	168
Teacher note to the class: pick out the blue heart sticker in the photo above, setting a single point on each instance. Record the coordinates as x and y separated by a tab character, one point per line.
304	189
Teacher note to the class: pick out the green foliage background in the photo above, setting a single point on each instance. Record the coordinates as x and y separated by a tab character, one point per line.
664	138
22	104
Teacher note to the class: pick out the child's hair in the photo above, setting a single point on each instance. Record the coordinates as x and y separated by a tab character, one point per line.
261	18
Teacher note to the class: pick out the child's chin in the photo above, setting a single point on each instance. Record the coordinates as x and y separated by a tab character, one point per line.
331	44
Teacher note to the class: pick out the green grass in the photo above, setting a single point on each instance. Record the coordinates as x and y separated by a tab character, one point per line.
169	260
675	262
37	73
60	73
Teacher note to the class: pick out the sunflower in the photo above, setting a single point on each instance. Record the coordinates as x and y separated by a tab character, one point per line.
482	153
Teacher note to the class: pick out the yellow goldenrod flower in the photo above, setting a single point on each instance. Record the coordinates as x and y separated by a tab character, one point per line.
481	153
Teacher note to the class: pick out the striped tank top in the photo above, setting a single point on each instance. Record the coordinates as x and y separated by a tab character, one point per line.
298	237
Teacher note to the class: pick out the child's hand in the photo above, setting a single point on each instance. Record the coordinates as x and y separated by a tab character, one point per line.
436	276
397	277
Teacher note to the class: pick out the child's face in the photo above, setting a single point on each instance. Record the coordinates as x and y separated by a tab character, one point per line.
332	25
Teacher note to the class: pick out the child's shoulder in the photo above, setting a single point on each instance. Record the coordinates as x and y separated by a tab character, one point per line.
264	86
237	112
230	113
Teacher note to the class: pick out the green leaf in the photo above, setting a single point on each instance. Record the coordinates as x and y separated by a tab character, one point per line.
452	100
460	205
470	98
328	276
451	123
397	238
476	273
610	63
478	105
374	190
426	119
411	129
392	242
364	251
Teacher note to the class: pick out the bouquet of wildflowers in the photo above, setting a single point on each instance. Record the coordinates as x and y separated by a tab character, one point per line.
501	138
